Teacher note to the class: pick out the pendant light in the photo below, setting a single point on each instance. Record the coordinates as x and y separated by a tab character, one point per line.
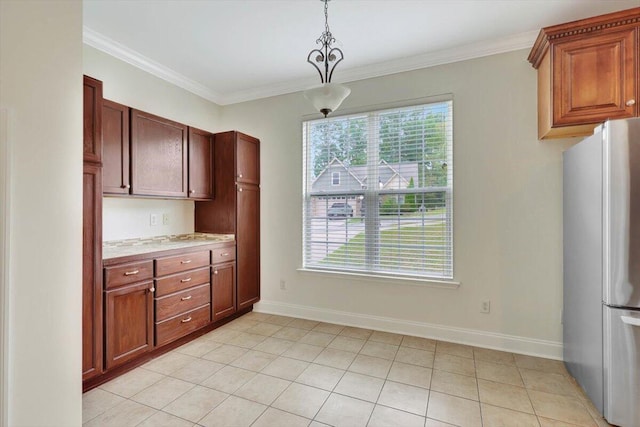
328	96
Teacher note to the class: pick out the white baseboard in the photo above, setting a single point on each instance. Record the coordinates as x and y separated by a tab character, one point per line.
496	341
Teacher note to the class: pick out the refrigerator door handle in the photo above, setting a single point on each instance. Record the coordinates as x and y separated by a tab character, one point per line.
630	320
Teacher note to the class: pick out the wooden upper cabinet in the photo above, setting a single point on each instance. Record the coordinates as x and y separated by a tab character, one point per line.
92	115
200	164
595	78
247	159
587	73
158	156
115	141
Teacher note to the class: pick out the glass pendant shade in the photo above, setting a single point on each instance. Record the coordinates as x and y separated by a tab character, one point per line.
328	97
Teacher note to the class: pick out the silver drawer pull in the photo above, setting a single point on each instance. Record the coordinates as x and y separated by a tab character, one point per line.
188	319
215	271
225	254
185	298
131	273
631	102
185	261
188	279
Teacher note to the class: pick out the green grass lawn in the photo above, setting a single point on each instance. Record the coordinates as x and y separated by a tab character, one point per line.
410	248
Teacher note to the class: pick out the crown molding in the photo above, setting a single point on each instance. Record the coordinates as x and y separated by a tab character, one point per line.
444	56
111	47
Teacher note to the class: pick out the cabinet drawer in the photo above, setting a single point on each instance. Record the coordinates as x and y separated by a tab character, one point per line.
178	282
178	263
127	273
179	326
174	304
223	254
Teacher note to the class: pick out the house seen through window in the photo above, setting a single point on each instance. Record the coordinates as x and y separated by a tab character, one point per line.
378	192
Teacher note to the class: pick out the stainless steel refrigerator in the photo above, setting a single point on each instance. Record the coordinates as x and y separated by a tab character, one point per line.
601	306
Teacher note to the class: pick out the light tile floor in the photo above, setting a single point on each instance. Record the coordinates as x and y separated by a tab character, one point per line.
265	370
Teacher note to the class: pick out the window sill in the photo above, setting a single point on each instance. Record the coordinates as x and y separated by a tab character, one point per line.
384	278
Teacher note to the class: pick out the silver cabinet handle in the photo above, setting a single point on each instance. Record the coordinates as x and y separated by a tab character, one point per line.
188	279
127	186
152	290
225	254
239	175
215	271
185	261
631	102
192	191
188	319
131	273
633	321
185	298
240	190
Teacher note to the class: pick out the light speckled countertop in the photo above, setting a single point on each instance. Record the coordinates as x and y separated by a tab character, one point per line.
128	247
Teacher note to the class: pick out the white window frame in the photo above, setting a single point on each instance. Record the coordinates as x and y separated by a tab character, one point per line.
333	174
371	201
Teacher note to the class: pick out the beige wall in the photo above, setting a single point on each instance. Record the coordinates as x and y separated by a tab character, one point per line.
507	213
128	85
40	86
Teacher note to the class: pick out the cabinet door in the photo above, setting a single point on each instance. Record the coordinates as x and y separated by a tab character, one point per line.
128	322
247	159
92	126
115	148
200	164
248	244
595	78
158	156
91	272
223	290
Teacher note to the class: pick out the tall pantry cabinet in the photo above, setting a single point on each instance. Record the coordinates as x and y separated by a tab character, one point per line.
235	208
92	230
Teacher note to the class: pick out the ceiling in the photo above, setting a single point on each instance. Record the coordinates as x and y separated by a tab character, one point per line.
231	51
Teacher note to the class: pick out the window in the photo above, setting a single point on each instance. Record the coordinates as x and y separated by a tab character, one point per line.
335	178
393	211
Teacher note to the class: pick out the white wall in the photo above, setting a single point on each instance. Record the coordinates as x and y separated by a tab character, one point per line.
507	213
41	86
127	217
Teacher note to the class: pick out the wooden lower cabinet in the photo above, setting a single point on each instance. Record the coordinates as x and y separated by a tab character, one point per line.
183	324
223	290
128	322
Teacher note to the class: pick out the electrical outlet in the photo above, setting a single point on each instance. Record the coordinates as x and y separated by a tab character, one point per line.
485	306
153	220
283	284
165	219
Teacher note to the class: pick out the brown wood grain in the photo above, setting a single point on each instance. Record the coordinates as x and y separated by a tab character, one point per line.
92	120
182	262
158	156
248	245
200	164
91	271
182	301
128	323
223	290
183	324
178	282
126	274
115	141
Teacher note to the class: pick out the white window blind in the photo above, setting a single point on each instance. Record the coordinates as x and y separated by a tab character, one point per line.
391	212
